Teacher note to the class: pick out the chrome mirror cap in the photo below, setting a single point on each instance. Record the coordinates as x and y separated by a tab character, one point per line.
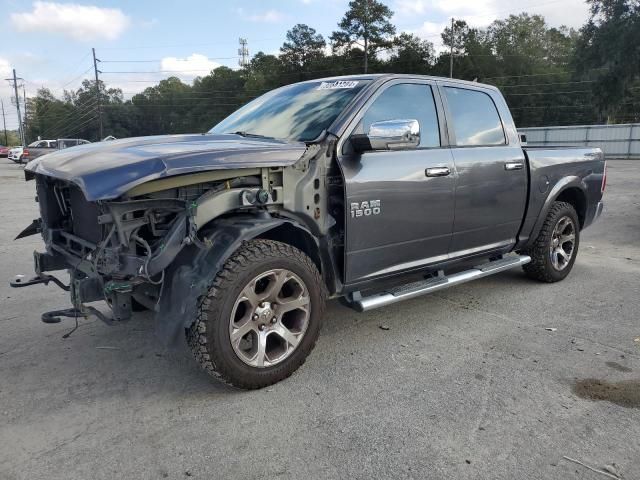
394	134
400	134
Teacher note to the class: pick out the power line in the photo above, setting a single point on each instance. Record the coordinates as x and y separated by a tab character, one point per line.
159	71
546	84
553	107
73	70
155	105
80	127
63	131
77	77
88	104
160	93
207	44
160	60
565	72
545	93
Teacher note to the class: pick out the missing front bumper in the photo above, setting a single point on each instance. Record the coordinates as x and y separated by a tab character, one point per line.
83	289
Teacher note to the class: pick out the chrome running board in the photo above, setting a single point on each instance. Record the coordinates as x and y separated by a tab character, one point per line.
416	289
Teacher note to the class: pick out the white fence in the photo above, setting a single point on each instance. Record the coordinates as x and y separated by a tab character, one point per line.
616	141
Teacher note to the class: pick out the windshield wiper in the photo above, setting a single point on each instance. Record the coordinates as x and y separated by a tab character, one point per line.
250	135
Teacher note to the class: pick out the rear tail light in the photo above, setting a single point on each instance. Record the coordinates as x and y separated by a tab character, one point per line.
25	152
604	178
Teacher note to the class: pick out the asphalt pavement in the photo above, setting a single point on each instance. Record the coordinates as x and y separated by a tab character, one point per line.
496	379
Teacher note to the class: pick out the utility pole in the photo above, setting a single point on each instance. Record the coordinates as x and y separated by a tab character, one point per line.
366	36
4	122
14	82
451	52
95	69
243	53
24	96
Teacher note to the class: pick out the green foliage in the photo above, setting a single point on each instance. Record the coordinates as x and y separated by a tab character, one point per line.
410	53
302	47
549	76
608	50
12	139
366	24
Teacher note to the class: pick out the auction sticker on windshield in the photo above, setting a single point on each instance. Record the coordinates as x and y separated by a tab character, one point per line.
337	84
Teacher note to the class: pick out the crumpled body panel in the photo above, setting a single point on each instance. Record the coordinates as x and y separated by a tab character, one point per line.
106	170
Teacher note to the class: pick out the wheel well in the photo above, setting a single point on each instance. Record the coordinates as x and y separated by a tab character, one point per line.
295	237
577	199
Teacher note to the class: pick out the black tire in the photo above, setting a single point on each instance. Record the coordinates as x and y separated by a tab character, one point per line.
542	266
208	337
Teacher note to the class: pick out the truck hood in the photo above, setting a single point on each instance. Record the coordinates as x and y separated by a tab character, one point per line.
106	170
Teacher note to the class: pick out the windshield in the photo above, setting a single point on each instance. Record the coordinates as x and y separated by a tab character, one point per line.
296	112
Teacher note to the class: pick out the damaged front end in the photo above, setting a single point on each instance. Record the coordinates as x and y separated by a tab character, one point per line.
119	250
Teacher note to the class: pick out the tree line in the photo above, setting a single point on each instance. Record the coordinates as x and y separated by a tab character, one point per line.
549	76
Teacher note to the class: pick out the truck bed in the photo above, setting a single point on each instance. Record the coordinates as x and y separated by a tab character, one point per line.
551	168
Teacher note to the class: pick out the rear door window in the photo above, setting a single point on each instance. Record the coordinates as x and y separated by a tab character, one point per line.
475	118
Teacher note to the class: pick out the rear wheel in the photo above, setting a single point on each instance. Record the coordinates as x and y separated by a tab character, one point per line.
261	317
555	249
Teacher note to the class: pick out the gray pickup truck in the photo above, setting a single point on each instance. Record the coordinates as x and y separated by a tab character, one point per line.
372	188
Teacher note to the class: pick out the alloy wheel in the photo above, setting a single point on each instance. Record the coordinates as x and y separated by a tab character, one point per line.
269	318
562	245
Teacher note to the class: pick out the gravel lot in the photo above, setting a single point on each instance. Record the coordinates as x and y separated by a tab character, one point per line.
466	383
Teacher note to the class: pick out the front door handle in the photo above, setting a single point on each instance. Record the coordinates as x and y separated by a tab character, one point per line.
513	166
437	172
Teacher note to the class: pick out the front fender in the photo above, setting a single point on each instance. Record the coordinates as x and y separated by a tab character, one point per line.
190	275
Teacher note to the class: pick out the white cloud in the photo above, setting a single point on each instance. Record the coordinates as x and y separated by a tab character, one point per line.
80	22
431	31
270	16
480	13
411	7
195	65
5	67
6	92
5	72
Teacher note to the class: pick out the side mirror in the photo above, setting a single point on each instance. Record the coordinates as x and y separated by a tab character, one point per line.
388	135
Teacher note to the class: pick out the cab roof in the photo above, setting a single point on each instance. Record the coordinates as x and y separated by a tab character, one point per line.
383	77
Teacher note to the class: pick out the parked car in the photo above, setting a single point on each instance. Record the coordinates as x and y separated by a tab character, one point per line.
47	146
373	188
71	142
4	151
42	147
16	154
22	154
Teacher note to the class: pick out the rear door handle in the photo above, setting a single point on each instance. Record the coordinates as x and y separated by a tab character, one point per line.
437	172
513	166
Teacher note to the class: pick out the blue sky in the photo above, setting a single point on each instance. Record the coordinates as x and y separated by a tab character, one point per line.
49	42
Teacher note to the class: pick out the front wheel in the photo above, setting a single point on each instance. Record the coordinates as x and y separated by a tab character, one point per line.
261	317
555	249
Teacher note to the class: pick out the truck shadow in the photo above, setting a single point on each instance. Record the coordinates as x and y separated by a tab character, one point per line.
130	360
